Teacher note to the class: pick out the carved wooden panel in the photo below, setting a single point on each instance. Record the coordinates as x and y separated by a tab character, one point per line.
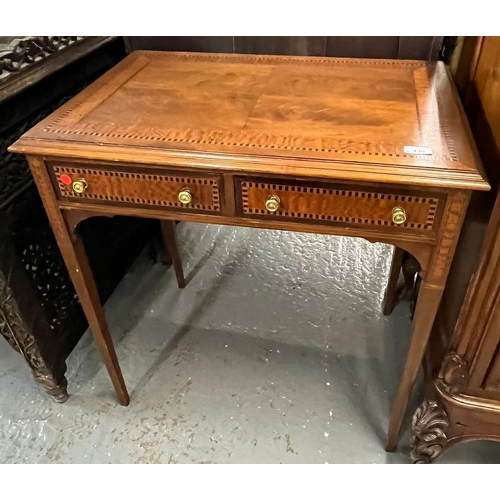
25	51
428	432
337	204
139	188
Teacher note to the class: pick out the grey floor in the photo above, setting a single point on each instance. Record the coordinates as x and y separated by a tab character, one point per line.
276	352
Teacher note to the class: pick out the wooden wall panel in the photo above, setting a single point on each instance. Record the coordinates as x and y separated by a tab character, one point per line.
482	106
483	96
477	341
461	57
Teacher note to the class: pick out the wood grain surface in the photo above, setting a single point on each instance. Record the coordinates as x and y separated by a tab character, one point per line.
139	188
334	117
327	203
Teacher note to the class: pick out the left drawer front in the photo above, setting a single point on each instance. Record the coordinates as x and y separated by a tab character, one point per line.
125	187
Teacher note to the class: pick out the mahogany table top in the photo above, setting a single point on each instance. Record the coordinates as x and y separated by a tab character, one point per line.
325	117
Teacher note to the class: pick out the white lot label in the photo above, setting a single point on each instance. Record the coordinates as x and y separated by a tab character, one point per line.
417	150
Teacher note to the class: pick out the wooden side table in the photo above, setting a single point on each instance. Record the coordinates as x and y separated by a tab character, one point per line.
376	149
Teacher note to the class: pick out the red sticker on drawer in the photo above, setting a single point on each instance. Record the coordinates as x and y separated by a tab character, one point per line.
65	179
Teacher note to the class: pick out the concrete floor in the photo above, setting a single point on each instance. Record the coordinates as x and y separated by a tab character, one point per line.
276	352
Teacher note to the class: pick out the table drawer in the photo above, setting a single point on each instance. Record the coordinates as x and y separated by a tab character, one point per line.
147	187
339	204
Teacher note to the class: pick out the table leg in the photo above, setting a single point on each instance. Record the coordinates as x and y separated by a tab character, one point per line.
431	289
170	242
89	298
76	261
425	313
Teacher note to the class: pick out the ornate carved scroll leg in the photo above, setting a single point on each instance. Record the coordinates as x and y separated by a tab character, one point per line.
454	373
57	388
411	270
395	291
170	241
391	292
428	432
76	261
23	322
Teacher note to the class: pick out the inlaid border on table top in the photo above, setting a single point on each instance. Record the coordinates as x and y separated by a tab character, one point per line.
68	123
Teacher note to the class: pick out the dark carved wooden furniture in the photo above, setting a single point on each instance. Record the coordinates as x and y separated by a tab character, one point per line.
462	403
40	315
376	149
462	398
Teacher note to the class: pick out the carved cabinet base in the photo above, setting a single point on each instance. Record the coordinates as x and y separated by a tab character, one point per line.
445	419
21	317
428	432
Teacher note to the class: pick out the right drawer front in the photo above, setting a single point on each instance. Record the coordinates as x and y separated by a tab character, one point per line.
340	204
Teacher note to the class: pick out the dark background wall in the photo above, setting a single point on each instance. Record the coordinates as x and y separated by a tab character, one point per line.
389	47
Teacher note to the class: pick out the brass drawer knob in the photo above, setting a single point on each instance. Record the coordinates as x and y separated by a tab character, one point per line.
80	186
398	215
273	203
185	196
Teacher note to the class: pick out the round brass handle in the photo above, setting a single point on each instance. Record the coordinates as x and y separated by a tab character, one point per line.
398	215
185	196
80	186
273	203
